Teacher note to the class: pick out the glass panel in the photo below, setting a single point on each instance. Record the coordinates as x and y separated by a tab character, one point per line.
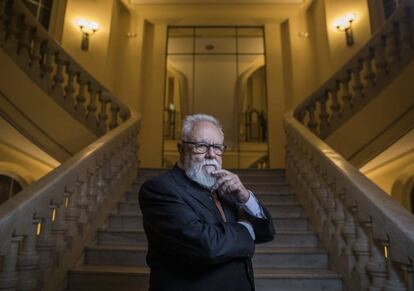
252	92
179	93
215	40
44	18
218	71
180	40
215	91
250	40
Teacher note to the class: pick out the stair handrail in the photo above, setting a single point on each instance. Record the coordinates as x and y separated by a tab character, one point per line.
369	236
363	77
46	226
29	44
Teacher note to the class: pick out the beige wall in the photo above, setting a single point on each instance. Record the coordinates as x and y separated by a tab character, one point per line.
20	158
133	68
97	59
323	52
153	69
396	177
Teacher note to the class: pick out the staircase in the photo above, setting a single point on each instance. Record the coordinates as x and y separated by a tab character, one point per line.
292	261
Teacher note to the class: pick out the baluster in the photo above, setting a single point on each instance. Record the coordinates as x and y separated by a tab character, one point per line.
28	260
335	106
24	50
114	117
91	108
369	75
408	269
395	280
103	99
320	194
82	204
330	208
357	86
100	184
125	114
109	178
3	17
406	33
46	243
36	59
300	116
376	265
11	43
346	95
92	194
47	67
338	220
9	277
362	253
323	116
57	88
59	226
71	214
349	233
312	120
69	102
80	112
391	48
380	60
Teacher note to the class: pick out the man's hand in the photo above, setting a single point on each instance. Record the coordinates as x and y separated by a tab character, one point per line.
228	183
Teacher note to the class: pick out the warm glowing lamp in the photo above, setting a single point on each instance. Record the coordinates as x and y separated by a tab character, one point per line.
88	28
344	24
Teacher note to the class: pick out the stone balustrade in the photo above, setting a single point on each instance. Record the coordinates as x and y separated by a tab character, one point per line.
45	228
369	236
56	72
362	78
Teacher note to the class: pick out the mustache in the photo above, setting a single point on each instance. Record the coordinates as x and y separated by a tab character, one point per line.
210	163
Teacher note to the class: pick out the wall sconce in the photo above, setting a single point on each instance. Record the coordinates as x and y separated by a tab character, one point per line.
88	28
344	24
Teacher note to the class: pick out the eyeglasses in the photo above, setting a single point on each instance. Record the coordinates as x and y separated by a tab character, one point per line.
202	148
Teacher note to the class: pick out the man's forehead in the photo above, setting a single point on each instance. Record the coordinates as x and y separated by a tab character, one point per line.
206	132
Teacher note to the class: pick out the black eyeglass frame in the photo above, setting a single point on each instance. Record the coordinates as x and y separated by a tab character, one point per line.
218	149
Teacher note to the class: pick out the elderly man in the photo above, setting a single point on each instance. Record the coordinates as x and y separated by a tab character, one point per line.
201	222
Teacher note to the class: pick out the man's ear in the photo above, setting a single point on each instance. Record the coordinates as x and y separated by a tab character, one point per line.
180	148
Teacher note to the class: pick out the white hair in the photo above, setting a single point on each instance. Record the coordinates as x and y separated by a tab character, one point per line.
190	120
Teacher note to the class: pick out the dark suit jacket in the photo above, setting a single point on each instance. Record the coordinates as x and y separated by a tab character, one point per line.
190	248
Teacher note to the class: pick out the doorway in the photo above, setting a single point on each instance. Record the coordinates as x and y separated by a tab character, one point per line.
218	71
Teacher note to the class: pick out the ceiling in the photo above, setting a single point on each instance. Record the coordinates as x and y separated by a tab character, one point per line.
216	1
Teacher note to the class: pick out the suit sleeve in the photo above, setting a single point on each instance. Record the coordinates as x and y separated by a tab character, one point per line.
263	227
172	225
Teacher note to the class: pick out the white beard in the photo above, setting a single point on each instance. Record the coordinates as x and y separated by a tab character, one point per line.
195	172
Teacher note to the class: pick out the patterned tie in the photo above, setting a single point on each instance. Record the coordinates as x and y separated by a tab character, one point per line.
218	205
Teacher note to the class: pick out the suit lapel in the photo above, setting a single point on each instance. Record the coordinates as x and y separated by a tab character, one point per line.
194	190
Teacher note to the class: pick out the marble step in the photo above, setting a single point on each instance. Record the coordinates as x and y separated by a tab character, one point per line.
283	238
263	197
302	258
271	179
134	221
105	278
255	187
276	209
